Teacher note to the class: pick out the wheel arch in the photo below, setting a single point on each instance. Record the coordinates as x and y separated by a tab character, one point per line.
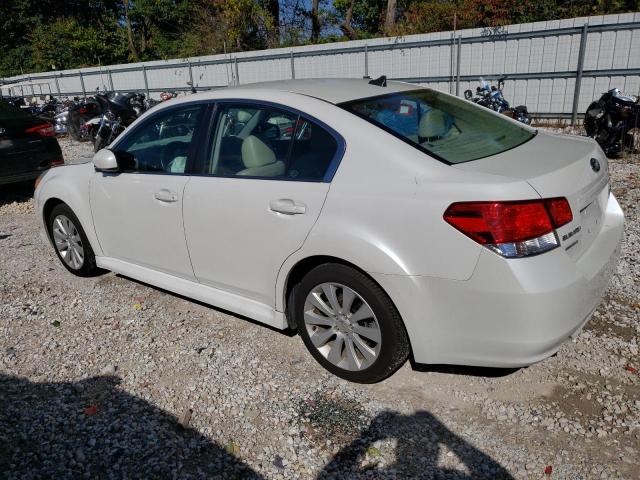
69	185
304	266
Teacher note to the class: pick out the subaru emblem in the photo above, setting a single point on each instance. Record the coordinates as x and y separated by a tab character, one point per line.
595	165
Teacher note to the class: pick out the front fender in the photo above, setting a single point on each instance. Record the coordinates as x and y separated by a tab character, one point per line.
69	184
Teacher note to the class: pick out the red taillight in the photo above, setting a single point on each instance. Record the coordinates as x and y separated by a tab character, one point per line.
513	229
57	163
82	110
559	210
44	130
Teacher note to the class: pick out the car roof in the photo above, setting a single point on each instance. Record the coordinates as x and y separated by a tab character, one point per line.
333	90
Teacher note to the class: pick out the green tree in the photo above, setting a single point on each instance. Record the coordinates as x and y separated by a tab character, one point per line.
66	43
367	15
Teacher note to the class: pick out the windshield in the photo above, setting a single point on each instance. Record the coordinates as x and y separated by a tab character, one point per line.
449	128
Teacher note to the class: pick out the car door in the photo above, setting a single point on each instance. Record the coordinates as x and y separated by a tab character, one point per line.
137	211
261	187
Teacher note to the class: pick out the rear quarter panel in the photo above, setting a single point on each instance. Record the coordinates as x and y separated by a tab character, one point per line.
385	205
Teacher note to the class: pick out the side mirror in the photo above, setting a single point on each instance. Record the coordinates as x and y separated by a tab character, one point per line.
105	161
468	94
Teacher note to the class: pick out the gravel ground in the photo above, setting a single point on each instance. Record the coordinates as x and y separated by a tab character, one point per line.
110	378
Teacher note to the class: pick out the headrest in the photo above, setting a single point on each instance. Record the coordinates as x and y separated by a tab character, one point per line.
434	123
243	116
256	153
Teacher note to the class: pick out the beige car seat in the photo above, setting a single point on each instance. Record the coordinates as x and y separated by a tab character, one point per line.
433	125
259	160
178	164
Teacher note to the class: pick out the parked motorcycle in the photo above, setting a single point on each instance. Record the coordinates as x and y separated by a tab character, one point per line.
60	122
614	122
490	96
118	112
81	112
48	110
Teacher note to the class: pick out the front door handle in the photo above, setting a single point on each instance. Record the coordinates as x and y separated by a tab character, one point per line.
287	207
165	195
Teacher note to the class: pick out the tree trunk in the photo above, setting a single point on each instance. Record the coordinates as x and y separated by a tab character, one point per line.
346	26
390	19
273	7
315	21
132	47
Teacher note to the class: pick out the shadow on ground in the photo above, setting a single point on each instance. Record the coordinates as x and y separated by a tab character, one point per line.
421	440
93	429
16	192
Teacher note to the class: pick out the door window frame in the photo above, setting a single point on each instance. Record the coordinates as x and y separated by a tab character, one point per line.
204	155
192	154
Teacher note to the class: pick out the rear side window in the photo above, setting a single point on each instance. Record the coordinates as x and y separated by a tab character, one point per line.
257	141
449	128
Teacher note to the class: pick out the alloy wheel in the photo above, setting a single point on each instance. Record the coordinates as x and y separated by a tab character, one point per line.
68	242
342	326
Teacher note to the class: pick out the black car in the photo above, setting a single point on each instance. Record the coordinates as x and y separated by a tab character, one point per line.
27	145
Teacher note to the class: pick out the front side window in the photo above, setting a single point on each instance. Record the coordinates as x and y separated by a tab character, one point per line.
265	142
161	144
452	129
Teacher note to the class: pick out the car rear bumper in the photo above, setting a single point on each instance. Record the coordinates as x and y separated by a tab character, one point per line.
511	312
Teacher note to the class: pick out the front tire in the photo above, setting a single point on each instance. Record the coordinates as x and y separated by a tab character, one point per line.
70	242
349	324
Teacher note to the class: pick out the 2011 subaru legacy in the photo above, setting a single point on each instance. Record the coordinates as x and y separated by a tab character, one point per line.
380	221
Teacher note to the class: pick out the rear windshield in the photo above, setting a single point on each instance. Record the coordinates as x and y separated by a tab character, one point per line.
447	127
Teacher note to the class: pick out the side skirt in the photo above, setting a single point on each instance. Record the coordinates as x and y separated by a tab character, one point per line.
218	298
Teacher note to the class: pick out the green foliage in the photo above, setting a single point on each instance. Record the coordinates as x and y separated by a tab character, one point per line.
40	35
66	43
368	15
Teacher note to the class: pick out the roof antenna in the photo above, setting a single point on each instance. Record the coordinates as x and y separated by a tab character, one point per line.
381	81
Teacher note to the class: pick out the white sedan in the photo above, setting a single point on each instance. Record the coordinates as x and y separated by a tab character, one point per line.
380	220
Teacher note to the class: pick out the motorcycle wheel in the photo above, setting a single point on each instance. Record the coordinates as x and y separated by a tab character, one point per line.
99	142
632	140
73	131
590	120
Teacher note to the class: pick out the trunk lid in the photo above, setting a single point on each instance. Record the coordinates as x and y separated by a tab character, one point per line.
559	166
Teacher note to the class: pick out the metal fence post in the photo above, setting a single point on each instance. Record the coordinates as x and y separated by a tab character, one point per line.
451	54
366	60
146	82
293	66
235	64
110	80
576	90
458	55
84	92
57	84
190	73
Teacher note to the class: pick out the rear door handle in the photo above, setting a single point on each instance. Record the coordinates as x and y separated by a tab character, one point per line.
165	195
287	207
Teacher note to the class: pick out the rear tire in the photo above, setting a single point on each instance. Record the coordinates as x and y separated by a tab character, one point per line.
74	131
357	334
70	242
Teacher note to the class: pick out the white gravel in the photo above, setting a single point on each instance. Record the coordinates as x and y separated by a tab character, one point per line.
110	378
